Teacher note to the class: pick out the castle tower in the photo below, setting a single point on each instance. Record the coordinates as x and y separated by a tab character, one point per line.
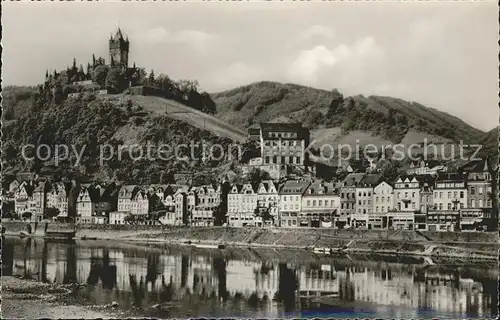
118	49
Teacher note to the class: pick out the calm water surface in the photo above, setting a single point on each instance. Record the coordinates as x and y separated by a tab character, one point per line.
176	281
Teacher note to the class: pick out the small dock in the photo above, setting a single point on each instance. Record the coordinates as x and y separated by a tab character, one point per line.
58	234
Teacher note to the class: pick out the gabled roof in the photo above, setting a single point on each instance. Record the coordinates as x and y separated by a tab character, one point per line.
140	193
370	179
353	179
266	185
452	177
294	187
278	126
236	188
476	166
420	178
320	187
41	187
60	186
127	191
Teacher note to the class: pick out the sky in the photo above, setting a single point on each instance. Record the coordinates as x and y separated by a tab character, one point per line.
443	55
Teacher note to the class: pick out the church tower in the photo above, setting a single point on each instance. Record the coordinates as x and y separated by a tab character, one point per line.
118	49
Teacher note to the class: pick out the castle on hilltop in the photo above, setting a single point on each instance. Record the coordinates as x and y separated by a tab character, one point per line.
99	77
118	49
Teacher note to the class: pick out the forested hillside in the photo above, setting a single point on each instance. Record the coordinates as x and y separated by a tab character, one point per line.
386	117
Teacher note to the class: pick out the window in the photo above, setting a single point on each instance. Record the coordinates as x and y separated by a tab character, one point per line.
461	194
382	208
314	203
480	190
473	203
440	195
308	203
472	190
449	206
320	203
480	202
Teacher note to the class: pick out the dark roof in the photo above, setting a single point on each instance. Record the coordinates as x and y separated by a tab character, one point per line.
370	179
353	178
475	166
276	126
450	177
319	187
294	186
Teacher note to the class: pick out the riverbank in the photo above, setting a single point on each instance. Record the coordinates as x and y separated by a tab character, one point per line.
29	299
463	245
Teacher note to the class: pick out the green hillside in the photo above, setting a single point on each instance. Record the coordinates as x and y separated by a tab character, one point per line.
115	120
385	117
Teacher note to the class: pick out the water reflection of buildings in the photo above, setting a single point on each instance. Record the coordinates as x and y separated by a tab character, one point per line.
149	276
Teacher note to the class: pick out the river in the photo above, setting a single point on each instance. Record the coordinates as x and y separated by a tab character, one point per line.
179	281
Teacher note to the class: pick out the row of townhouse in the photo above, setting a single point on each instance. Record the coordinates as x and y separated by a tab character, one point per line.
180	204
446	201
33	197
294	203
110	203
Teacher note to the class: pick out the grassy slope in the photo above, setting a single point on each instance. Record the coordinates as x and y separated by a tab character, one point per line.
198	119
269	101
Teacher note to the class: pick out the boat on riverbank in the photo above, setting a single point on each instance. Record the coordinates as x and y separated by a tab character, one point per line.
59	235
322	250
209	246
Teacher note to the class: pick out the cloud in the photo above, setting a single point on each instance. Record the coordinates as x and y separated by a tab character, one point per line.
197	39
311	63
317	31
237	73
308	63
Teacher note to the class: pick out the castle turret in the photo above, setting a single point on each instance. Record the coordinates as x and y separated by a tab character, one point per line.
93	60
118	49
74	64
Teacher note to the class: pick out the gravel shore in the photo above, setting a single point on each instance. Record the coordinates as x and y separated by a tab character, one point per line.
28	299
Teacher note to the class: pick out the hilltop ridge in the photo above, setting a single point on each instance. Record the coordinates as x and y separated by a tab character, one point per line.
385	117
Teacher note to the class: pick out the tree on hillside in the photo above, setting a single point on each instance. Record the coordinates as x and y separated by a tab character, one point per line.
50	212
152	79
219	216
257	175
113	79
100	74
26	215
7	208
155	203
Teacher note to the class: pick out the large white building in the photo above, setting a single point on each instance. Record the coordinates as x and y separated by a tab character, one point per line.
242	204
291	201
450	192
320	202
383	197
407	193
